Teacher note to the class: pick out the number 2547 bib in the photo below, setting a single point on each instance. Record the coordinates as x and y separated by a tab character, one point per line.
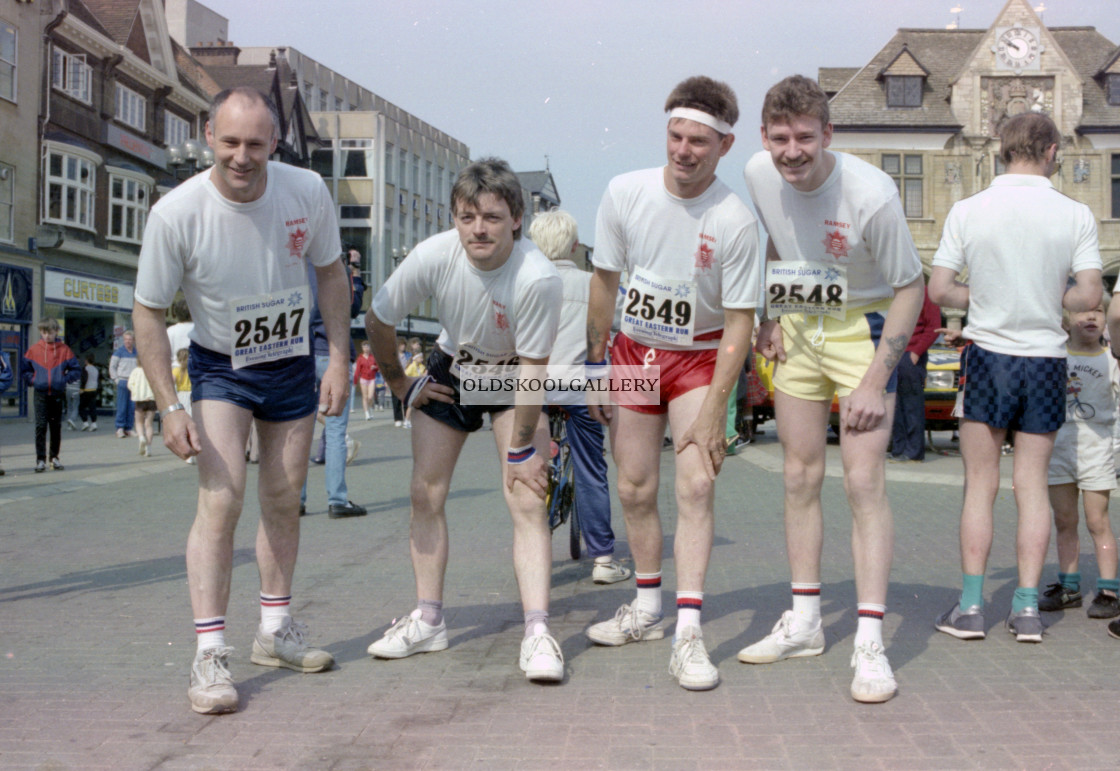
659	309
270	327
815	288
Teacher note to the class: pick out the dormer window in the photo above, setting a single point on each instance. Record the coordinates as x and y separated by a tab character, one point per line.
1113	86
904	90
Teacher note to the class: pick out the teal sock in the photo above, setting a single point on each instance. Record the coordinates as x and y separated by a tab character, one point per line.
972	591
1025	597
1071	581
1109	584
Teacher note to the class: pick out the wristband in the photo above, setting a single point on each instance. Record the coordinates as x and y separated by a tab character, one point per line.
520	454
173	408
415	389
595	370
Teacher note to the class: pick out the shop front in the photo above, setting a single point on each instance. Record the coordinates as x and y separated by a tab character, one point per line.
94	312
16	297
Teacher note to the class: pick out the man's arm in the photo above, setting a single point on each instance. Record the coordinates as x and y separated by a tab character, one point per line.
865	407
1084	294
154	352
769	342
708	430
334	306
600	313
945	290
383	344
526	416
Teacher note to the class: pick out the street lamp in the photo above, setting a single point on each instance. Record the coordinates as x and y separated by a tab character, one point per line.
188	158
399	253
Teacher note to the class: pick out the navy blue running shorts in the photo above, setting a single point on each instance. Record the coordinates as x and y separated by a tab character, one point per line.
275	392
1019	393
465	418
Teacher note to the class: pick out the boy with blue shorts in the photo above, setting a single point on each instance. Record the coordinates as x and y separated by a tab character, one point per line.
843	273
238	239
1019	240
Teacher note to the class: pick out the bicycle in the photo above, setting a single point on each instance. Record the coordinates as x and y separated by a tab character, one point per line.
561	498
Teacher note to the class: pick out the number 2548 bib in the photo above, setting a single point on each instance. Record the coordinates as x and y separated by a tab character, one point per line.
270	327
659	309
815	288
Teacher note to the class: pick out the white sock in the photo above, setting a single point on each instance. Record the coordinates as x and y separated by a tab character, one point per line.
689	605
211	632
274	612
649	592
870	626
806	605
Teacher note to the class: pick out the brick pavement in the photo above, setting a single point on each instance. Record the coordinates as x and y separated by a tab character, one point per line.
96	637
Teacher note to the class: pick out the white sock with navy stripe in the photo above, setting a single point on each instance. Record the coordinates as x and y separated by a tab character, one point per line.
211	632
689	605
806	605
274	612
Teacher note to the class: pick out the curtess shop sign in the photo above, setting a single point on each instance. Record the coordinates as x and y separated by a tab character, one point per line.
76	289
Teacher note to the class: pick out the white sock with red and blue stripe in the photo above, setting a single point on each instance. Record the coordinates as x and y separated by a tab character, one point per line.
211	632
689	605
870	627
275	611
649	592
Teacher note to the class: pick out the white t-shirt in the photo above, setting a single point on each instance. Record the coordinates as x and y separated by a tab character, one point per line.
1020	239
490	315
570	348
180	337
220	251
854	219
711	240
1093	382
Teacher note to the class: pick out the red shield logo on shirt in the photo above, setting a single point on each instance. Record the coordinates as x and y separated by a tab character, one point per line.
296	242
501	321
836	244
704	256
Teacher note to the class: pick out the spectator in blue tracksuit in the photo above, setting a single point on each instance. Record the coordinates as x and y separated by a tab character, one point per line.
47	367
121	365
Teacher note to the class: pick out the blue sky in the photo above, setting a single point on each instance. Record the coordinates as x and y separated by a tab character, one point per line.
584	82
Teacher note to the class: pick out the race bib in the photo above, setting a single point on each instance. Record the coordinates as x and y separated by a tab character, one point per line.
471	355
270	327
815	288
658	309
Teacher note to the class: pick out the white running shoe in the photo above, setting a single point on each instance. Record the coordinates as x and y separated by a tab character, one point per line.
609	572
211	690
784	643
352	447
541	658
874	681
630	624
690	663
409	635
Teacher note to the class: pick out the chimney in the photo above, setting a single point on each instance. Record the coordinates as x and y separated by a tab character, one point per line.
216	54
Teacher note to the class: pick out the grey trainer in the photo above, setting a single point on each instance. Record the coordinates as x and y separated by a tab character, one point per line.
1026	625
964	625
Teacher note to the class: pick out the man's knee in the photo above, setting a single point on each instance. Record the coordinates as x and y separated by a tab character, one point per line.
695	489
635	493
865	486
427	496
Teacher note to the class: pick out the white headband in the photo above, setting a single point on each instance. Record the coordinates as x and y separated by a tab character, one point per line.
700	116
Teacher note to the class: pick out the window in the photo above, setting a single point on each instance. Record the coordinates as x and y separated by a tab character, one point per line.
1116	186
906	170
355	212
402	168
7	201
1113	84
354	157
8	39
128	205
324	98
132	108
175	129
337	104
904	90
69	175
322	163
71	75
390	178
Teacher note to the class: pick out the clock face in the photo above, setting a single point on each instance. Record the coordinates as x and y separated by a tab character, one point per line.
1017	47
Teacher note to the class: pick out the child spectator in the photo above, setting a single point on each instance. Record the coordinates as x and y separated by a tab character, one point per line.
87	399
1083	460
365	376
144	400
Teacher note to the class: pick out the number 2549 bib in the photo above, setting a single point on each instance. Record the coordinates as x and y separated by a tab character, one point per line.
815	288
659	309
269	327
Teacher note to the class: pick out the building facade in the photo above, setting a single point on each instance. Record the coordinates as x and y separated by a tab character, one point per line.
21	52
928	107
